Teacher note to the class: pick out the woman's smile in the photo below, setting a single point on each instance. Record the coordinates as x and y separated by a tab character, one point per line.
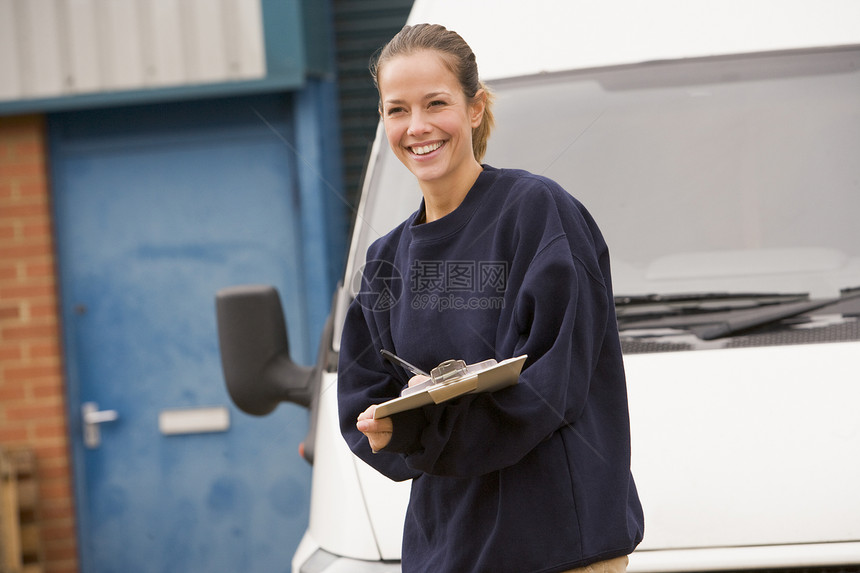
425	149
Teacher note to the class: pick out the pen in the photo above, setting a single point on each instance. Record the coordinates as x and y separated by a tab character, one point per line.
394	358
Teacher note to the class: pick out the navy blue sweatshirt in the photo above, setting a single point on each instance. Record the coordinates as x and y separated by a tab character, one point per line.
534	477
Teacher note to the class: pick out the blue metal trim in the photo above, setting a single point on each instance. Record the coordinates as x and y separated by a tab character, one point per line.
70	368
319	37
284	28
323	205
160	95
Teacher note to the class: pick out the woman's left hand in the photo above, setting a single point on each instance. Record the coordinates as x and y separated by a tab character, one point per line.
378	432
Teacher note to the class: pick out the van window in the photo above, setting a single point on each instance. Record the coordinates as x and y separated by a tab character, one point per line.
731	174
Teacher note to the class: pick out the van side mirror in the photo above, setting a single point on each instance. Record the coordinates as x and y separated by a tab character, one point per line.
255	351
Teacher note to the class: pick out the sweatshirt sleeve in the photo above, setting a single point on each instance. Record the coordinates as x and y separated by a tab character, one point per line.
559	319
363	380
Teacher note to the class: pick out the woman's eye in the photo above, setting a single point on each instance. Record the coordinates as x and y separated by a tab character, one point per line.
436	103
394	110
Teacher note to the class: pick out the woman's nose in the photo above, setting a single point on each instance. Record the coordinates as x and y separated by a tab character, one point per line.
417	124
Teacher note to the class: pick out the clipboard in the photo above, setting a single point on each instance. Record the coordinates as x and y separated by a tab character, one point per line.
487	378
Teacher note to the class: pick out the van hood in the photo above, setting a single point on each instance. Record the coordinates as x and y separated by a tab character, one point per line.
736	432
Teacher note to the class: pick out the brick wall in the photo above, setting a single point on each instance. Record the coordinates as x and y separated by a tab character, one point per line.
32	399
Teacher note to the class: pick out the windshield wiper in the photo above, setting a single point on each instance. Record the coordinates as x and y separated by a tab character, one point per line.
763	316
701	296
650	306
710	325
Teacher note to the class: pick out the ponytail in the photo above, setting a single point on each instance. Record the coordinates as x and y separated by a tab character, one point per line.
481	134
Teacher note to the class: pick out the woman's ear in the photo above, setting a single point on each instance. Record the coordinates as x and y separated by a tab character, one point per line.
476	109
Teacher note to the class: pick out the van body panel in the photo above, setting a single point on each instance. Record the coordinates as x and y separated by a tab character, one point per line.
339	522
386	505
788	558
512	38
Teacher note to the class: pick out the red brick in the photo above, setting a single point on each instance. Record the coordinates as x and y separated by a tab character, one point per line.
10	312
10	434
62	566
25	170
51	453
8	273
54	390
18	412
55	551
48	458
44	350
60	542
46	310
53	473
27	148
25	251
22	165
30	191
11	354
25	373
8	230
22	210
59	529
37	188
36	229
54	489
27	291
39	269
31	350
12	392
56	510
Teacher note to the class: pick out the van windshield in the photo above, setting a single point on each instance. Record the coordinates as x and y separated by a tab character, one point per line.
734	174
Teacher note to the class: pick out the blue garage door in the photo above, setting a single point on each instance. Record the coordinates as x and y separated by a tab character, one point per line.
157	208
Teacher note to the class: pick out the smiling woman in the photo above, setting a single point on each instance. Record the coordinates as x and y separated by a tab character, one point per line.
531	269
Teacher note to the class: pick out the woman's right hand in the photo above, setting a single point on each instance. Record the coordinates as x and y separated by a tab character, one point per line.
378	432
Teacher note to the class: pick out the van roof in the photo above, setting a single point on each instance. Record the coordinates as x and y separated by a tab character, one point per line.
515	38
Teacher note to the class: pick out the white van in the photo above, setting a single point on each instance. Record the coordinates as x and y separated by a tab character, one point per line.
717	144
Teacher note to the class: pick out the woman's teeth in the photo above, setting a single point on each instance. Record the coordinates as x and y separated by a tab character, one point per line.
425	149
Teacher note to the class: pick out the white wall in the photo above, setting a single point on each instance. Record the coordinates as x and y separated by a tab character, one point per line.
51	48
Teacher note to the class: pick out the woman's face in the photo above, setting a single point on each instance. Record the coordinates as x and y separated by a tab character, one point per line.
427	118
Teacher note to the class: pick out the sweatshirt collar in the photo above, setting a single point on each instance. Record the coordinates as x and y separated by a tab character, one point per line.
457	219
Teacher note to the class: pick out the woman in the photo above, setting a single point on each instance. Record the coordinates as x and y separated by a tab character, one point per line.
495	263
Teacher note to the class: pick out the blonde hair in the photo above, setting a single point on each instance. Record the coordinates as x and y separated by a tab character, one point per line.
458	58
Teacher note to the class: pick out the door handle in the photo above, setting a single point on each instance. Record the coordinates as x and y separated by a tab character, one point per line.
92	417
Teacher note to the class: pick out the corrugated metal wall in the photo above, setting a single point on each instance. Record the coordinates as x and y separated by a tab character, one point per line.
361	28
52	48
